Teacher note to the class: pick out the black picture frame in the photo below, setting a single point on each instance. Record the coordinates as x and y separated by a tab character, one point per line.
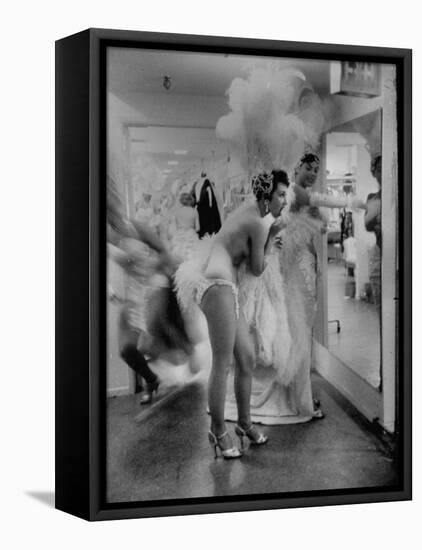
81	276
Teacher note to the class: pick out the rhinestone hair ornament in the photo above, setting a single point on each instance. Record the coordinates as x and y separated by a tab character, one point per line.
262	185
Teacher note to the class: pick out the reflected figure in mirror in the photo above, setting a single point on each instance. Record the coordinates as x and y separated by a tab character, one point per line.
373	224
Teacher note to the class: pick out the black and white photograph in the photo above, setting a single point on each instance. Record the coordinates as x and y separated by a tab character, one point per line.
252	217
210	279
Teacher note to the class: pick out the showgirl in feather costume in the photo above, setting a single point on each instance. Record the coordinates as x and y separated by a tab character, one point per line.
210	280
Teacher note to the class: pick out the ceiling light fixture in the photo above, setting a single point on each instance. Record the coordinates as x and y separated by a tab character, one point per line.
167	82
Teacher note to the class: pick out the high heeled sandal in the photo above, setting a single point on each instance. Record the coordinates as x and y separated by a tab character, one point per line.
259	439
318	414
148	396
232	452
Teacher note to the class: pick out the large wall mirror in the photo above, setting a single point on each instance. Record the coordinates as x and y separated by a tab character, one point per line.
354	334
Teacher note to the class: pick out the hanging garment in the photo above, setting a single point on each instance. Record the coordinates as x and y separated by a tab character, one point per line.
207	207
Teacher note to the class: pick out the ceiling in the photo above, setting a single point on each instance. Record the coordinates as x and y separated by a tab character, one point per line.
199	83
137	70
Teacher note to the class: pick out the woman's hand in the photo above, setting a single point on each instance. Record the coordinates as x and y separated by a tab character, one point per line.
273	231
277	226
278	241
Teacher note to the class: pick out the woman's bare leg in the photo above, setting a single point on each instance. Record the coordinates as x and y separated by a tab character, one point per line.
245	357
219	308
196	329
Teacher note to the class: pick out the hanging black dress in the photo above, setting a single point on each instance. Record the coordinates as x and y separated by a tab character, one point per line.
208	213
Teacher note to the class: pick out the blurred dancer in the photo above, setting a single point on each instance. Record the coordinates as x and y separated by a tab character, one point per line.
150	321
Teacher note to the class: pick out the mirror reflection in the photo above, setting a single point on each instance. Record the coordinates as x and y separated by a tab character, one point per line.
354	243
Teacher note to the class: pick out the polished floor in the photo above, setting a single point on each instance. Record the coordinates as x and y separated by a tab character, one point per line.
358	342
162	451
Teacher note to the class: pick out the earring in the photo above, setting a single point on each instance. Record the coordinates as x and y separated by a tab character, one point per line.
267	206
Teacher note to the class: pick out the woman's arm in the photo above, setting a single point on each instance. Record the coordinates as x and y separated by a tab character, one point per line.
259	244
276	227
372	215
329	201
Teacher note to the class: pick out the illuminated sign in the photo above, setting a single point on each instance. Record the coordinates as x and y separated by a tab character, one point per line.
353	78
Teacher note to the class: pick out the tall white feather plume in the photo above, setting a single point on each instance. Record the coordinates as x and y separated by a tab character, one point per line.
274	116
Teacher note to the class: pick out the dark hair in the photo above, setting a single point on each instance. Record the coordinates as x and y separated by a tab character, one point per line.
264	185
279	176
374	163
308	158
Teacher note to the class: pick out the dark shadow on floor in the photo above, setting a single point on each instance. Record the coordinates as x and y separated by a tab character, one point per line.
45	497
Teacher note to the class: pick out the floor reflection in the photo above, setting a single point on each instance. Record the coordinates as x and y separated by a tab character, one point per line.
358	342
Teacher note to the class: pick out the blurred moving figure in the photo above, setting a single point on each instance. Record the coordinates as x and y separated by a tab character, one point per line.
150	321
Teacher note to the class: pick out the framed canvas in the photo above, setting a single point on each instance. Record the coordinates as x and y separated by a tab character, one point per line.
233	277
